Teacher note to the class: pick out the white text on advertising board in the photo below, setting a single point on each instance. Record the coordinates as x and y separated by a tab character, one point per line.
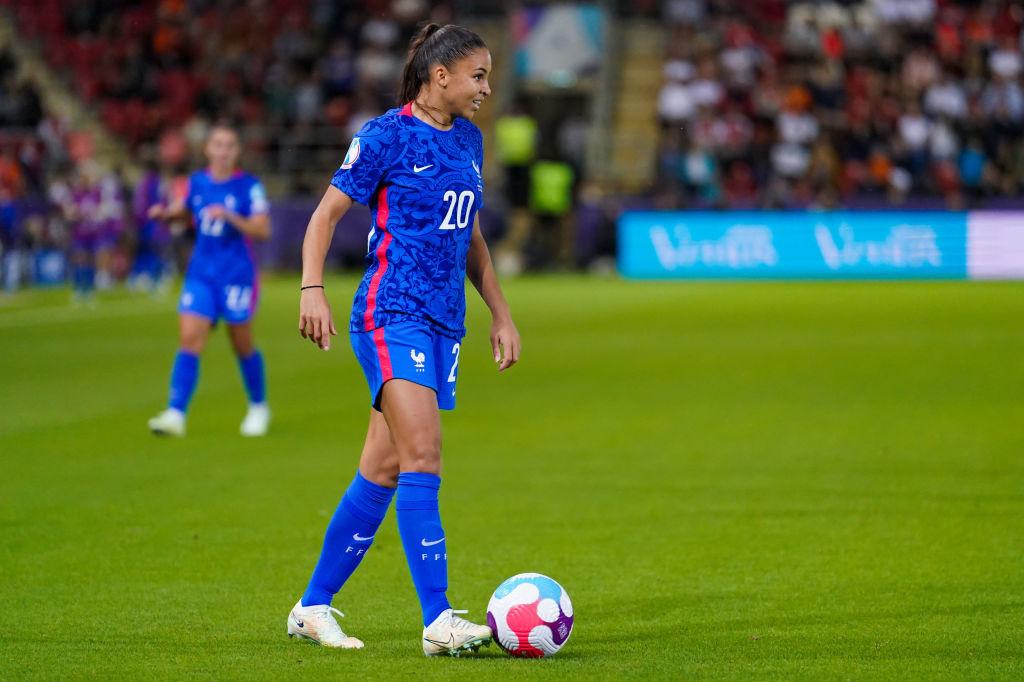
906	246
741	246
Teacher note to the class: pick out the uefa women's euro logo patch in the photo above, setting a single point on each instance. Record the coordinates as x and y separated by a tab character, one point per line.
353	154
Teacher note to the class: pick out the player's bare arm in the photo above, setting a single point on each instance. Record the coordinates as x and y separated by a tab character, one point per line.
505	342
176	210
315	321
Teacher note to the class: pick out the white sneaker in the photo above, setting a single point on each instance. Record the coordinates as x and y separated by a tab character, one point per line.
170	422
316	624
257	420
451	635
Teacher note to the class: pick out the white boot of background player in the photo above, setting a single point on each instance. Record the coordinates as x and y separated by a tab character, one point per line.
257	420
170	422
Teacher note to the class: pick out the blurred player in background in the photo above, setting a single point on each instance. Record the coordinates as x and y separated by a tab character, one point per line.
11	184
112	219
229	207
84	210
153	237
418	169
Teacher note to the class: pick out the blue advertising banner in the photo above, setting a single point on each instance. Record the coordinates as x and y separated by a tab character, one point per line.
779	245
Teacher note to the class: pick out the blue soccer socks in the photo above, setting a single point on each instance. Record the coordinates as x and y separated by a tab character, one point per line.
349	536
184	375
253	376
419	525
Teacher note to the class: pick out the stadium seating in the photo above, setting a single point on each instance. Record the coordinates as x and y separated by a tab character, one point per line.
820	104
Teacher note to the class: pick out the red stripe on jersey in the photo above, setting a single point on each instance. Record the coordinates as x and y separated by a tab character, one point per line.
382	258
406	110
383	357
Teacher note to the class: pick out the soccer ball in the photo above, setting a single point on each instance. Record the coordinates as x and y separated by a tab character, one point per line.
530	615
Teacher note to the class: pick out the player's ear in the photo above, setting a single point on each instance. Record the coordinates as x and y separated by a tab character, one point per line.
442	75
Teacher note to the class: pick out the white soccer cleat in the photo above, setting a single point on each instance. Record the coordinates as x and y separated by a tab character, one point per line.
257	420
316	624
170	422
451	635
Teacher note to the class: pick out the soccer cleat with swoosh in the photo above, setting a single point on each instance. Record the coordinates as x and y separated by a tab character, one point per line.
316	624
452	635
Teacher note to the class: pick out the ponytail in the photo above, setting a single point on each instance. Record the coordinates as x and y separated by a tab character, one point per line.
434	44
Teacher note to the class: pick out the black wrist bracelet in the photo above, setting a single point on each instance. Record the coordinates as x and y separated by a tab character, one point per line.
311	286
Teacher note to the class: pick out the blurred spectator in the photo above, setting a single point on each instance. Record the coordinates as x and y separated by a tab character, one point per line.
551	200
516	139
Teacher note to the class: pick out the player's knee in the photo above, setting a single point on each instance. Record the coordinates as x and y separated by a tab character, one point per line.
193	343
243	347
423	454
386	476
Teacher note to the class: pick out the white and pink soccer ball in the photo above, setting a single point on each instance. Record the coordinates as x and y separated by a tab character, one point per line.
530	615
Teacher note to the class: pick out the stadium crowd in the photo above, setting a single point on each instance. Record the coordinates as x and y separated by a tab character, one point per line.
299	78
765	103
796	104
297	75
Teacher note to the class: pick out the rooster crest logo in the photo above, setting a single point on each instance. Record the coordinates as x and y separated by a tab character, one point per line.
418	358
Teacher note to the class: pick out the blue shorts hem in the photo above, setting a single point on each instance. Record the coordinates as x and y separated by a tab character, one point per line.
411	351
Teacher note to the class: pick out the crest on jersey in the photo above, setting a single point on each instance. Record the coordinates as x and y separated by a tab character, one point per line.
353	154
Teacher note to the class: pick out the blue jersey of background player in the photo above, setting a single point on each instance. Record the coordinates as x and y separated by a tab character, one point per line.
418	169
228	208
221	278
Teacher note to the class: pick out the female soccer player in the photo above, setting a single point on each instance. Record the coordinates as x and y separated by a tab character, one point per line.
418	169
229	208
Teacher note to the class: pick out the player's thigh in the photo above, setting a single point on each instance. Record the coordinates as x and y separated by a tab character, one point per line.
414	420
240	334
378	462
198	299
193	331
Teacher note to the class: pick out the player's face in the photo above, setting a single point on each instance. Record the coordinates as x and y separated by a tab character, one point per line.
467	84
222	149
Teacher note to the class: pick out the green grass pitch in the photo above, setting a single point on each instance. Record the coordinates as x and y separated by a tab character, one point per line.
732	480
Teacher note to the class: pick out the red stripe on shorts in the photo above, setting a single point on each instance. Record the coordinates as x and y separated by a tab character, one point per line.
383	357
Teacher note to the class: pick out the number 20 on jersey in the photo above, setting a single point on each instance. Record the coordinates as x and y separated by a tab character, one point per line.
460	207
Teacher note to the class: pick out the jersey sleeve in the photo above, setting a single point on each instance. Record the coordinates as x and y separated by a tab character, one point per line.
365	163
258	204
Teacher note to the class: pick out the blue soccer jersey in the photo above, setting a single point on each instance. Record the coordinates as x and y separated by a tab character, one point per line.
423	187
222	254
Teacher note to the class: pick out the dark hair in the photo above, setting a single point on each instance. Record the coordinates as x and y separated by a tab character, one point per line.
223	124
434	44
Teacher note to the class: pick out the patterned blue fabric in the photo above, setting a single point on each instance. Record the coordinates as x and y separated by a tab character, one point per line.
221	253
424	188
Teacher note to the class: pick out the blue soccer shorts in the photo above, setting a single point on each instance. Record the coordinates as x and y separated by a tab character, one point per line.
233	303
409	350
